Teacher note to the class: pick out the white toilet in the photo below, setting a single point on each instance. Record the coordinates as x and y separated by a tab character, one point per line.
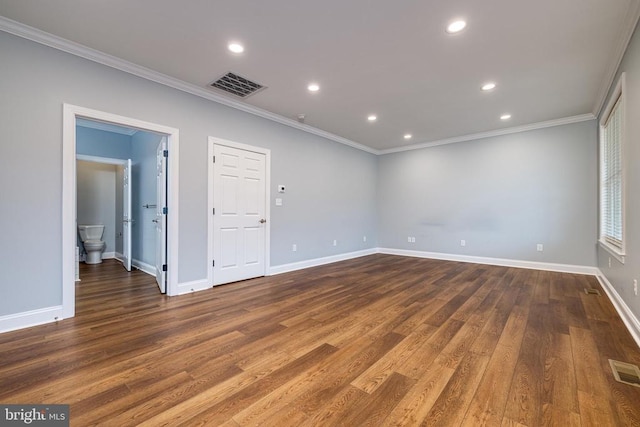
91	236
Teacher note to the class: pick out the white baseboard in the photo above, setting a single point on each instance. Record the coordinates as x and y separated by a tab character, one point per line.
118	256
285	268
142	266
193	286
630	320
27	319
108	255
562	268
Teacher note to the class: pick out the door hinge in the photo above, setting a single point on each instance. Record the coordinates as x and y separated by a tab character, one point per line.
213	263
214	159
164	267
214	211
165	153
165	210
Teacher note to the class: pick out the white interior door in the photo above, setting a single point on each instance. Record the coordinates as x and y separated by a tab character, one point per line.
126	217
161	216
239	224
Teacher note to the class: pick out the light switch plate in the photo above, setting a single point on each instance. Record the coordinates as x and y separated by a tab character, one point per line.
278	202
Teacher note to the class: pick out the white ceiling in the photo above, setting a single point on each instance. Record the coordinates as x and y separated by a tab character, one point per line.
551	59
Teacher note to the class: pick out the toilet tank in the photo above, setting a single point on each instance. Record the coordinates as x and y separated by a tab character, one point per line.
91	232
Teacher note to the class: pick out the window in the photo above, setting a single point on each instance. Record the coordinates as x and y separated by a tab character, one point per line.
612	174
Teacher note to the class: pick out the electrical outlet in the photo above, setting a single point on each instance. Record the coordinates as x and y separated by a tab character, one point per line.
294	248
463	243
539	247
409	239
635	287
364	238
335	243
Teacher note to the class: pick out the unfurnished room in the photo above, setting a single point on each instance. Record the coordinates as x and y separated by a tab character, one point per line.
356	213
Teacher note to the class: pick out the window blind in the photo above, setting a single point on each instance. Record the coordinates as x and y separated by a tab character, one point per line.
611	178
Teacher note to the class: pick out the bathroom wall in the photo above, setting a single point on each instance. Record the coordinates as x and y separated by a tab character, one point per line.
99	143
96	190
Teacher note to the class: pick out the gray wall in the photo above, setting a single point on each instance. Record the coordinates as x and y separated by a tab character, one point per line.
503	195
96	198
621	276
143	192
332	185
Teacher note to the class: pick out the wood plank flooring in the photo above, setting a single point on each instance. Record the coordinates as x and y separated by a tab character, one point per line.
376	341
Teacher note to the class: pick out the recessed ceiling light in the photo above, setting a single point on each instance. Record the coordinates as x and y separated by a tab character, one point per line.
456	26
505	117
407	136
488	86
372	118
313	87
236	47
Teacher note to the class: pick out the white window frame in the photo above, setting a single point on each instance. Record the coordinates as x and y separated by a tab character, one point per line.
618	96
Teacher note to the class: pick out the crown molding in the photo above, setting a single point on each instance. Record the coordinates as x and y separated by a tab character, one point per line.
626	32
44	38
489	134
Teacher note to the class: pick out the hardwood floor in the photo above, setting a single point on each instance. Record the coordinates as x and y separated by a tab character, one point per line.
380	340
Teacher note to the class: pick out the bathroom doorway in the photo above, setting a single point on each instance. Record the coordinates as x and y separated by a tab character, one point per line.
143	143
123	194
103	198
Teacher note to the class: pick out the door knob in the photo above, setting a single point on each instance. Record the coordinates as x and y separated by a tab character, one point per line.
262	221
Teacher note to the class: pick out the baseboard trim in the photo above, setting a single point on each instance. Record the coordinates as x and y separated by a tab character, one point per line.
27	319
294	266
108	255
562	268
142	266
119	256
193	286
630	320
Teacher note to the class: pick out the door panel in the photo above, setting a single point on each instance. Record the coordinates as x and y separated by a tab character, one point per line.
126	217
239	197
161	217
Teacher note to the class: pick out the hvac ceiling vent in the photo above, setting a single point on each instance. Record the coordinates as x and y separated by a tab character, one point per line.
237	85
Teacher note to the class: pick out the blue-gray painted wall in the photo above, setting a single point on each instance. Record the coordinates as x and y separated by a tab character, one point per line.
332	187
502	195
620	275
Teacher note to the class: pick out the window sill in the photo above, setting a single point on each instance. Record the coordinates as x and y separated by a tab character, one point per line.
615	252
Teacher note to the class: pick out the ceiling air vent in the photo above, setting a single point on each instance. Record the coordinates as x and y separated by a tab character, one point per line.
237	85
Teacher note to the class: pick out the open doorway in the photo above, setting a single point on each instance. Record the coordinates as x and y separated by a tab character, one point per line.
165	211
121	195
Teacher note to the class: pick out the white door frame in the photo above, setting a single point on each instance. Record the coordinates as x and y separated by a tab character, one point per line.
70	114
210	176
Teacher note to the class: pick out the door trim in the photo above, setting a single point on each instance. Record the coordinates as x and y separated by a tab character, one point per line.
70	114
210	176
